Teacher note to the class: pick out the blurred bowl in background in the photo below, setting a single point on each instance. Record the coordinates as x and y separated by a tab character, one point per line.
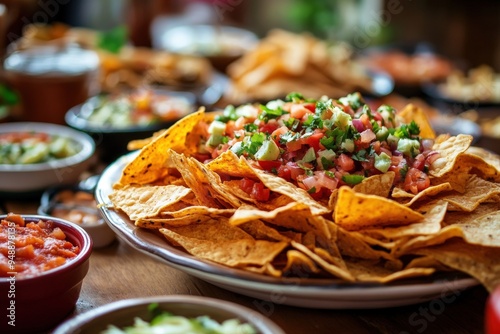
115	119
51	79
221	45
409	66
77	204
23	179
43	300
122	313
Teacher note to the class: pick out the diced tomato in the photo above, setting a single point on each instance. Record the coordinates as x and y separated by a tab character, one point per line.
276	134
314	140
246	185
366	121
345	162
310	106
269	165
260	192
285	172
416	181
293	146
295	170
419	162
269	127
299	111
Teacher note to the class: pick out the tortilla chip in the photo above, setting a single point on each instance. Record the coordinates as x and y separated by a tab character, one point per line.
149	165
329	267
300	265
260	231
218	241
479	262
477	191
146	201
434	214
379	185
295	216
449	151
414	113
374	271
357	211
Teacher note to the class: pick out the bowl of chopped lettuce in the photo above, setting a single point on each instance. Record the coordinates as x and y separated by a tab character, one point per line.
170	314
36	156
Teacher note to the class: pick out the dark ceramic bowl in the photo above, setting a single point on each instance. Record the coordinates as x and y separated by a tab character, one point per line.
122	313
40	303
111	142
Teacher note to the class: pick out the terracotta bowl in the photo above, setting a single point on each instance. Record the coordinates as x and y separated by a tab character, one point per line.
41	302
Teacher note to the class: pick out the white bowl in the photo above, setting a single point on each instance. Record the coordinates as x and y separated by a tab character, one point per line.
123	312
27	178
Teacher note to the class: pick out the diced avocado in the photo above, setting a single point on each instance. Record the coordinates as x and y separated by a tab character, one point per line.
215	139
310	155
237	148
35	154
326	158
382	162
59	147
217	128
348	145
387	113
268	151
392	140
408	146
382	133
341	119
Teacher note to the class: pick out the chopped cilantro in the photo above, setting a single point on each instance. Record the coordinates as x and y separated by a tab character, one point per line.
294	97
250	127
268	113
312	190
229	114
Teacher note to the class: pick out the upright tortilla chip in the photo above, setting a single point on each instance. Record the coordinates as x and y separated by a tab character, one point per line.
449	151
476	192
149	165
355	211
414	113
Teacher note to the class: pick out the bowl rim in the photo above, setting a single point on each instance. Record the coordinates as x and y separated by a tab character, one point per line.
83	255
85	153
74	120
263	324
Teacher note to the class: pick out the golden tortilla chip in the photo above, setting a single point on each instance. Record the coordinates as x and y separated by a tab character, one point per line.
407	245
329	267
414	113
449	151
479	262
299	264
434	214
483	230
260	231
374	271
357	211
149	165
379	185
146	201
476	192
295	216
218	241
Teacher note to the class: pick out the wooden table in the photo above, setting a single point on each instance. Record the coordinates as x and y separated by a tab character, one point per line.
120	272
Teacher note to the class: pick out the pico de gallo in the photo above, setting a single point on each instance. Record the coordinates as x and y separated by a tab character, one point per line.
320	145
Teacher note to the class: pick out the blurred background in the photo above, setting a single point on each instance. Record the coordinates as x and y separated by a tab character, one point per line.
441	55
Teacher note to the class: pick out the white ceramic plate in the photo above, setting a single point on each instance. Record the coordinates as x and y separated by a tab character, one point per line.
311	293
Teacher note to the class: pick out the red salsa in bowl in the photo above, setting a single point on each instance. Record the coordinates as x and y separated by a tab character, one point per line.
31	248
